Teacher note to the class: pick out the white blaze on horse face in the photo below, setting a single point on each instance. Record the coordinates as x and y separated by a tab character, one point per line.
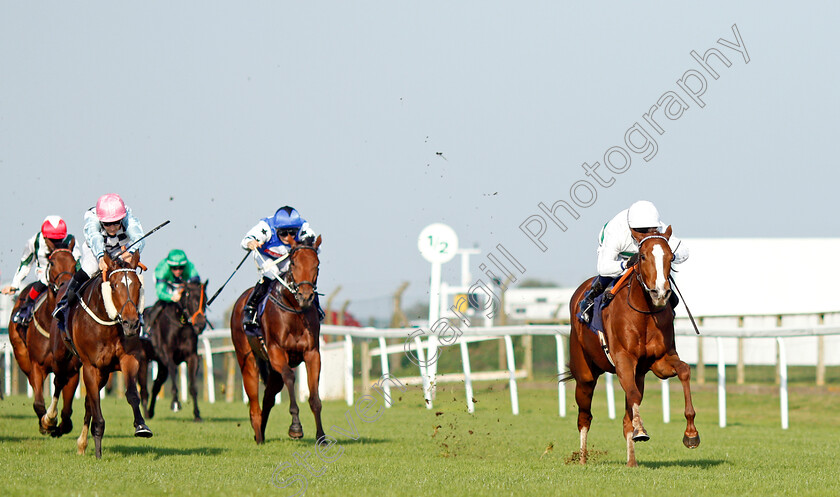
659	263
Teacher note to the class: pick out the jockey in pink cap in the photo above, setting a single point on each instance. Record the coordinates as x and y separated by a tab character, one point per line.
37	252
110	226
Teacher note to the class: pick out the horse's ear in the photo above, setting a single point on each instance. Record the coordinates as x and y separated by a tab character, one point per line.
107	258
50	244
317	242
206	283
668	232
638	236
72	244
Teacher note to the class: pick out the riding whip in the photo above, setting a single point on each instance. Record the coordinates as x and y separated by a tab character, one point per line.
673	282
161	225
227	280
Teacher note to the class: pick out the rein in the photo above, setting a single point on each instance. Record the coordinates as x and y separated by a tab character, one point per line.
639	276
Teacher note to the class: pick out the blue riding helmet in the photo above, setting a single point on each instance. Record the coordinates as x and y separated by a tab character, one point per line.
287	217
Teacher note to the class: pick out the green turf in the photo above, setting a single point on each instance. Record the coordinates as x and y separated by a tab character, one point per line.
444	451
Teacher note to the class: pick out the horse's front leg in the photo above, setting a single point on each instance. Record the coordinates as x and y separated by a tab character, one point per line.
36	380
312	359
670	366
192	369
129	366
295	429
634	431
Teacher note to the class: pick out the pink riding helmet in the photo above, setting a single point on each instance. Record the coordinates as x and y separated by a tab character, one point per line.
110	208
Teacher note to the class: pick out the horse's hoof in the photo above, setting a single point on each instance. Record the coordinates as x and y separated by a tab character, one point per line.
640	436
142	431
176	406
296	432
198	419
691	442
42	429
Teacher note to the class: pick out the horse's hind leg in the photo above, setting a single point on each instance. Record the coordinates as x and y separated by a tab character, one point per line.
162	374
667	367
273	385
312	359
173	369
295	429
192	368
129	367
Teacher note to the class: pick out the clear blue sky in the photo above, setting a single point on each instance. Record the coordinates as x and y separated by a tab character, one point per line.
213	116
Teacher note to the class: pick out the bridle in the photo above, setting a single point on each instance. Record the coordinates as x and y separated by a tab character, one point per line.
185	317
639	275
292	285
136	305
54	283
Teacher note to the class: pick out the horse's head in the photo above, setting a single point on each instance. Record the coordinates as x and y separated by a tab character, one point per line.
194	303
61	265
654	265
303	271
122	292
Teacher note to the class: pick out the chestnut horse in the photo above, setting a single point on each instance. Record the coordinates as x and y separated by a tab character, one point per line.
291	327
639	332
104	324
174	339
31	344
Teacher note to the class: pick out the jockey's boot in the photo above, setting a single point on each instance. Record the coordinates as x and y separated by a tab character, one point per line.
67	300
249	312
587	304
24	313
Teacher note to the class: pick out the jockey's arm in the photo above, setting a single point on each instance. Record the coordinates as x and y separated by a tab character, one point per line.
164	290
134	231
26	261
679	248
260	234
609	260
93	235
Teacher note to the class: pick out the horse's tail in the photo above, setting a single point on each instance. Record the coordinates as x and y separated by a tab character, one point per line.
566	376
262	366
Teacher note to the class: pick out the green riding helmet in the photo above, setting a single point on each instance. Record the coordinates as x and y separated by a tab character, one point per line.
177	257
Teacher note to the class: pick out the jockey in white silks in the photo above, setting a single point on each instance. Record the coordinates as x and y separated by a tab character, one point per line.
618	250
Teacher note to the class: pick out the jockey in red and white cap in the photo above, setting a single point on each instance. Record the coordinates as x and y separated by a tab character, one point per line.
37	252
109	226
618	250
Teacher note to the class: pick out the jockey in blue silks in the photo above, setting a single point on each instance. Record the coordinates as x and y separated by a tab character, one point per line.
271	240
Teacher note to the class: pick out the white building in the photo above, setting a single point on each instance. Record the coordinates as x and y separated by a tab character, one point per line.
538	305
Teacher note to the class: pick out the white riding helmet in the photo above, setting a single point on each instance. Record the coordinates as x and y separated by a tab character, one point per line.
643	214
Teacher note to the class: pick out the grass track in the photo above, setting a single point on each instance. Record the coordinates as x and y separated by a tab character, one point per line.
489	453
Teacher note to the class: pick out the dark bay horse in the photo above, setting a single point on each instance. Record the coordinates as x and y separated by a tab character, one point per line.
291	327
31	343
174	339
639	330
104	325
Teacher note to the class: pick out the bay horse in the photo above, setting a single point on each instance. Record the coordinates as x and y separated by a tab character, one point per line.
291	327
31	343
104	326
174	339
639	332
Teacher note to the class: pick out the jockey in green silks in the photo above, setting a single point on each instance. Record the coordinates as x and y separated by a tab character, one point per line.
171	275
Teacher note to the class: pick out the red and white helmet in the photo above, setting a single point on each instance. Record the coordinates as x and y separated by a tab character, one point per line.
110	208
54	228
